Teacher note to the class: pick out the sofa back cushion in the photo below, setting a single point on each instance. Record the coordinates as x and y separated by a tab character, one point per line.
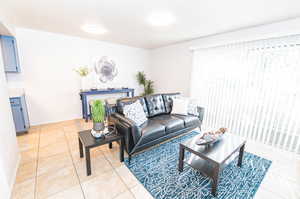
168	100
126	101
155	104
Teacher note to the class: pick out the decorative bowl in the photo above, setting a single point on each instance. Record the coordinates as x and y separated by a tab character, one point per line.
97	134
211	137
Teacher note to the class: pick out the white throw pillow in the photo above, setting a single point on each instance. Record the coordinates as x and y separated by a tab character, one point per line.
180	106
135	112
193	106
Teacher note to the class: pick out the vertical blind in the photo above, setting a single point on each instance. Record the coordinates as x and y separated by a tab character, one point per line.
252	88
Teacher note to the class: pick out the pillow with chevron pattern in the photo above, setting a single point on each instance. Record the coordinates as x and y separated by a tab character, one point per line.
135	112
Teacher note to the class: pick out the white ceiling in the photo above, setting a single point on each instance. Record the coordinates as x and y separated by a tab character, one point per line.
127	23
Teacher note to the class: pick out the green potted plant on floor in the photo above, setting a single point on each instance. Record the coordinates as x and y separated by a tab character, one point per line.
98	116
146	83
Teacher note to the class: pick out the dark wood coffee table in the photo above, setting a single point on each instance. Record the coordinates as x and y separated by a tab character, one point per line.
87	141
210	160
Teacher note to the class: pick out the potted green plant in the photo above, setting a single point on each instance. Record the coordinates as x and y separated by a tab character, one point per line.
98	116
147	84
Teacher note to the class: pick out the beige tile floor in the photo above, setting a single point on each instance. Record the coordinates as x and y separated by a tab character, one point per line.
50	168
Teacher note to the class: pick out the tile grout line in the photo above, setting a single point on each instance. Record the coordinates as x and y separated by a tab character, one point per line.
74	164
120	179
269	189
71	160
114	169
37	164
69	142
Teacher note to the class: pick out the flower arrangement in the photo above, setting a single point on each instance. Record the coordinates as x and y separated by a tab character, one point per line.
82	71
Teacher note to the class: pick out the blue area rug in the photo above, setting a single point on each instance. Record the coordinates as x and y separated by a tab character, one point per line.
157	170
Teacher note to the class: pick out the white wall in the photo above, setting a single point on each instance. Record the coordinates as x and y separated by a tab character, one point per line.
6	19
9	153
51	85
47	61
171	66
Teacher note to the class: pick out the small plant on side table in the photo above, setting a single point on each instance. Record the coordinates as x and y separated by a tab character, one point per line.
98	116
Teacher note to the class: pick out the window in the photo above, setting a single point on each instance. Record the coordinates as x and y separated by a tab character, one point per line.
252	88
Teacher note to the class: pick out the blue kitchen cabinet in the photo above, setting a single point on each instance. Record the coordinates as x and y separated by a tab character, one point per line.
20	114
10	54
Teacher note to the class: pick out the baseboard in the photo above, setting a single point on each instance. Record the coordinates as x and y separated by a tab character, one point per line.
15	175
53	122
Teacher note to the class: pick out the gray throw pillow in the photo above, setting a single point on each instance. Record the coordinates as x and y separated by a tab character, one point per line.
135	112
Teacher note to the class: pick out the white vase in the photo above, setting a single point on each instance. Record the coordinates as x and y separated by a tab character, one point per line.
84	83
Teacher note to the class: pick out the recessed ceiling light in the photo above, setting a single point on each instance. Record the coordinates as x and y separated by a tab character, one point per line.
161	19
94	29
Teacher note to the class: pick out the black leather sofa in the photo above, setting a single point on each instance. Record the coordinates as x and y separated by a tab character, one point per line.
160	126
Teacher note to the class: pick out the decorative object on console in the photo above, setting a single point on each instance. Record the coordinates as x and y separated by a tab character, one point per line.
211	137
106	69
135	112
98	116
147	84
83	72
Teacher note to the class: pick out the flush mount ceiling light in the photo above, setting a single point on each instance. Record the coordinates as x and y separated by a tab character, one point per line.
94	29
161	19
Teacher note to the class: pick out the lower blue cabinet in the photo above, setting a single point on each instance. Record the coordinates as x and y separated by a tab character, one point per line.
10	54
20	114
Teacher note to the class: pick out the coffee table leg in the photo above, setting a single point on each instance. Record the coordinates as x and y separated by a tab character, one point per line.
110	145
241	154
122	150
215	181
88	161
181	158
80	148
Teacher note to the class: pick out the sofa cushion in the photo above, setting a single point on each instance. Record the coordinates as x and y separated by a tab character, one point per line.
126	101
189	120
170	122
150	131
168	98
155	104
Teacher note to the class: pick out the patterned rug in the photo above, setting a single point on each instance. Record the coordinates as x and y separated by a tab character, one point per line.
157	170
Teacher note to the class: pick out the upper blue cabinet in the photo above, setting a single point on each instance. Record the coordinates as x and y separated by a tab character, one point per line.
10	54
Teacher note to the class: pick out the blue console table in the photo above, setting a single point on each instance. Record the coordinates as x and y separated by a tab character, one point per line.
84	94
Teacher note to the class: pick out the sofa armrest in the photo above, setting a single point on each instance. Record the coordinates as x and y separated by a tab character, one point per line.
199	112
128	128
200	115
124	130
123	119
